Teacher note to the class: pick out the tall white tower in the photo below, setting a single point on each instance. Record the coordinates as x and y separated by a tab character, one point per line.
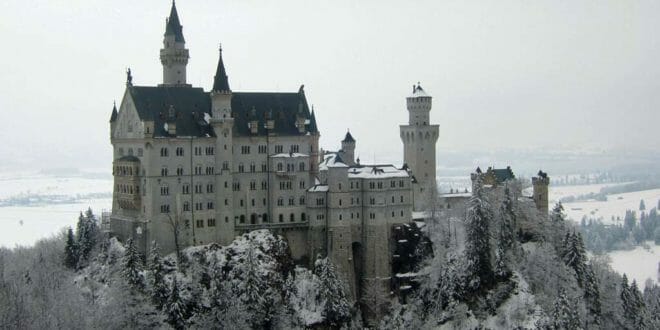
174	55
419	138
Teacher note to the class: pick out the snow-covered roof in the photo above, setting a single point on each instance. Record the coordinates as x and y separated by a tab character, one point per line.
420	215
376	172
318	188
331	159
456	195
418	92
289	155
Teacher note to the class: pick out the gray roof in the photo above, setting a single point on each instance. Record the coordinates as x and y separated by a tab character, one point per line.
173	26
190	104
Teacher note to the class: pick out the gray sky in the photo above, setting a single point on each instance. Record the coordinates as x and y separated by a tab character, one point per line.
504	74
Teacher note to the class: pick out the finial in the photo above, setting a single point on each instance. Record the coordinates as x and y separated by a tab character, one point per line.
129	77
413	88
220	47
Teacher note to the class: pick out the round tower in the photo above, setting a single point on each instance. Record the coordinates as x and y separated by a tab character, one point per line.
419	138
348	148
174	54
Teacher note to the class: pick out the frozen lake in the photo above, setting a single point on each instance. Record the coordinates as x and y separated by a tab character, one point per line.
35	205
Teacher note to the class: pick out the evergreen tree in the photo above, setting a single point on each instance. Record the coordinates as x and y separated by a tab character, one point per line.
86	231
638	308
477	246
564	315
175	307
557	223
575	257
254	288
132	266
70	250
336	309
642	206
158	288
592	296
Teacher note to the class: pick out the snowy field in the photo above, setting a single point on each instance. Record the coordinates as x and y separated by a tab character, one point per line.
616	205
38	205
639	264
558	192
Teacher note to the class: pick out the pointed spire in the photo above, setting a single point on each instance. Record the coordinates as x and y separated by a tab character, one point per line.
312	123
113	116
221	81
348	138
173	26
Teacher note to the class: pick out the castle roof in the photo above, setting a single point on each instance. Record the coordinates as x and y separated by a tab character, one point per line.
192	108
376	172
348	138
173	26
113	116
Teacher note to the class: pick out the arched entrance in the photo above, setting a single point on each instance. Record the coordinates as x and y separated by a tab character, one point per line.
358	263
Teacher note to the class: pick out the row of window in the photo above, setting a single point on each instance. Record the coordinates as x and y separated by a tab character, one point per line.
264	218
127	189
140	152
124	170
210	222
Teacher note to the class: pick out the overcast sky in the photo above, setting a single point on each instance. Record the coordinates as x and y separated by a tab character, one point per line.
503	74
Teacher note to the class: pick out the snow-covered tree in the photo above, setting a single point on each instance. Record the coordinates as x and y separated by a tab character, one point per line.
557	223
642	206
375	298
175	307
336	309
157	287
132	266
87	232
505	237
477	246
564	314
70	250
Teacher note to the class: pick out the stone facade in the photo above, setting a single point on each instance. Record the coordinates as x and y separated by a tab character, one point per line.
193	167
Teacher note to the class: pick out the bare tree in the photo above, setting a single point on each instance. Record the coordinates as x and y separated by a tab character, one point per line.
375	299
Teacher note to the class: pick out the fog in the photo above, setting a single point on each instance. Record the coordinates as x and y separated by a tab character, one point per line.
528	75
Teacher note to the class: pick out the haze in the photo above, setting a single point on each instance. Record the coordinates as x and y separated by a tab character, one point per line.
503	74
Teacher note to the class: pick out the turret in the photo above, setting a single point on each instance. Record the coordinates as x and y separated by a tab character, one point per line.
174	55
419	105
113	120
348	148
221	93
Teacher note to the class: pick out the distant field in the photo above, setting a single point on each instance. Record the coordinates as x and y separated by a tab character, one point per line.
558	192
616	205
638	264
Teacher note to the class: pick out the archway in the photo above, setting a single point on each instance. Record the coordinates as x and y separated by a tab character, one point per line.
357	251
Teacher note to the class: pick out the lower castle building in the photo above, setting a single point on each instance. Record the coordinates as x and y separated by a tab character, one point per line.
193	167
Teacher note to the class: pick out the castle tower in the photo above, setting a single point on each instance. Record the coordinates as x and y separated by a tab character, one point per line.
540	186
223	123
419	138
348	146
174	54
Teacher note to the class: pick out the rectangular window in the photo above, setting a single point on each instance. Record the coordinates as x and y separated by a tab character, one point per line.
210	222
279	149
199	223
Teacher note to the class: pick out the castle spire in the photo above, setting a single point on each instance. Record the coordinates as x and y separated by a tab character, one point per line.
221	81
312	128
173	26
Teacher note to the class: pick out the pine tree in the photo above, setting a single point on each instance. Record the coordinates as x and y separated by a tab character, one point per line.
132	266
592	296
86	231
158	288
70	250
477	245
638	308
575	257
253	296
336	309
557	223
642	206
627	302
175	307
564	316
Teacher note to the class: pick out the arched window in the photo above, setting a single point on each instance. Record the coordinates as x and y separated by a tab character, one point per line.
280	167
264	217
253	218
281	217
242	219
303	217
292	217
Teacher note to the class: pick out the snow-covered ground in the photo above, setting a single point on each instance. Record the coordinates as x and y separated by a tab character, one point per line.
639	264
558	192
616	205
60	200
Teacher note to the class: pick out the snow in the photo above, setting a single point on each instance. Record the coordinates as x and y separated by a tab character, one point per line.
207	118
616	205
377	172
289	155
639	264
318	188
555	193
455	195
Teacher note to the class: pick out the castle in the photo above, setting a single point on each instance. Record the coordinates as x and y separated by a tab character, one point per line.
193	167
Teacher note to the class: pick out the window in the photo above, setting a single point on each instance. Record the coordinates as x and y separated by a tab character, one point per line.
264	185
164	191
302	200
242	218
372	201
241	168
209	170
179	151
185	189
401	199
210	151
209	205
302	184
186	206
264	167
280	201
339	202
245	150
236	186
392	184
198	189
292	201
199	223
253	202
339	185
279	149
295	148
198	151
280	167
163	171
165	208
209	188
263	149
179	171
400	183
281	218
253	185
392	199
226	201
140	152
303	217
130	151
240	202
210	222
225	166
198	170
380	185
372	185
292	217
199	206
340	217
163	152
320	202
253	168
